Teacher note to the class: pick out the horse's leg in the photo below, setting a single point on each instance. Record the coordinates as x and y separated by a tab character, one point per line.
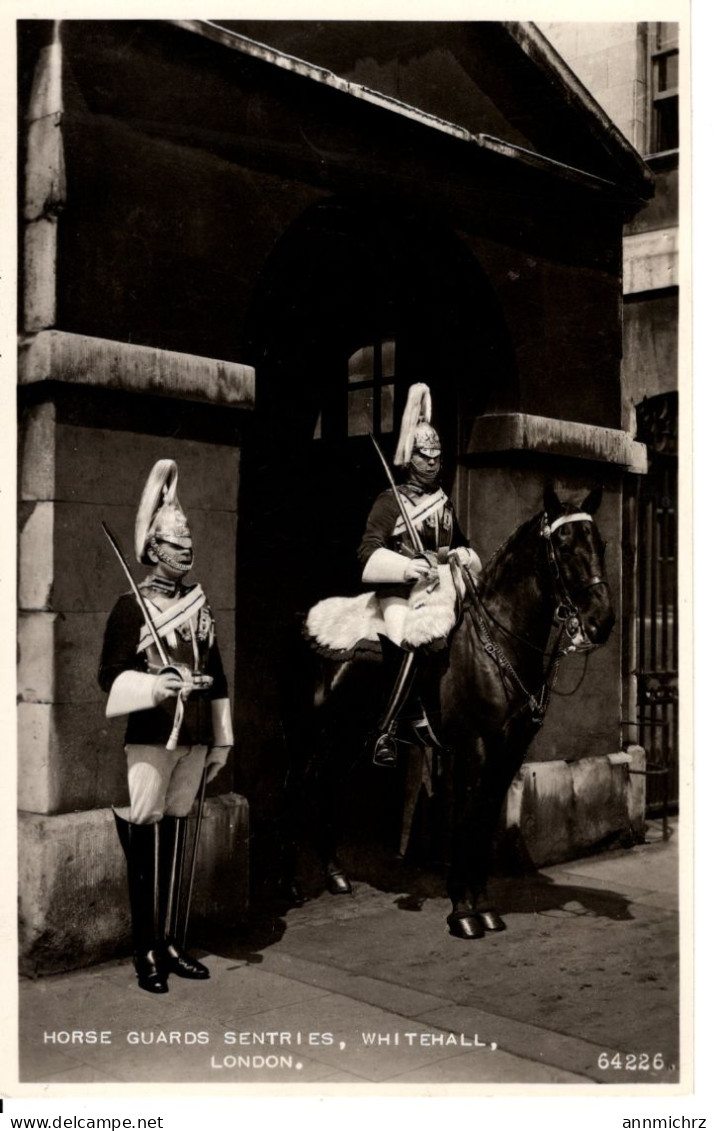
309	804
464	783
501	764
482	781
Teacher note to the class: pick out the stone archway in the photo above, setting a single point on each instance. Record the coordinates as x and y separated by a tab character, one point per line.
343	276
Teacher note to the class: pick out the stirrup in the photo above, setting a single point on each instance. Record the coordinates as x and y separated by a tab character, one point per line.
385	751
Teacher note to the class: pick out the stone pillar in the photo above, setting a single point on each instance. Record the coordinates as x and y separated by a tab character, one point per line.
575	767
45	187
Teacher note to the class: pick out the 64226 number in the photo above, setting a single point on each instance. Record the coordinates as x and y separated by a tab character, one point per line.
631	1061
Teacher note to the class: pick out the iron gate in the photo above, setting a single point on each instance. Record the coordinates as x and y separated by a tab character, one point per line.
656	639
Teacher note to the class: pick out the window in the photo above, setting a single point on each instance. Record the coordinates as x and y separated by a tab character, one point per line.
665	88
369	390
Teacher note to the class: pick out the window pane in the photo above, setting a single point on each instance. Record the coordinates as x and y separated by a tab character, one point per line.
667	71
360	365
388	359
666	124
387	411
360	412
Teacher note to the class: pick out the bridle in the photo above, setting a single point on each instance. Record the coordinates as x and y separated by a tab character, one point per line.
566	612
566	618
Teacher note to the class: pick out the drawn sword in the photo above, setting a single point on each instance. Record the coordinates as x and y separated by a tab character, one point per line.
163	656
412	532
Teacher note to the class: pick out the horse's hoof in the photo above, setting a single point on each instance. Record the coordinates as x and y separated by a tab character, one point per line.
337	883
491	921
465	925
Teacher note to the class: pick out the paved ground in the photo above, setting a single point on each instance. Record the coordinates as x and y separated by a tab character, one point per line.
582	987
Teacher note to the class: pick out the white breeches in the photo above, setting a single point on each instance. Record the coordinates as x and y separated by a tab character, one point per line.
162	782
394	610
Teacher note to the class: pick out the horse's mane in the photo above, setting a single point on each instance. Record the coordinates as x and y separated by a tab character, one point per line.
496	562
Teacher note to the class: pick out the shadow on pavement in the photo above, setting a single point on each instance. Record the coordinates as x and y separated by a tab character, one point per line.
413	886
246	940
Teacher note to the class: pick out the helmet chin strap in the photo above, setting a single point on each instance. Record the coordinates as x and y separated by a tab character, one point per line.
424	478
169	559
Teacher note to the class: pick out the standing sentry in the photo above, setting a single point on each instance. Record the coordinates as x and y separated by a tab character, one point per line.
162	668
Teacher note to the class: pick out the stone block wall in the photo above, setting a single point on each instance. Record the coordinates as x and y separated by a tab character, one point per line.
82	461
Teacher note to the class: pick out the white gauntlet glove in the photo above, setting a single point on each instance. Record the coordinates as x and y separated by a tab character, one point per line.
467	557
215	761
166	686
418	567
385	567
140	691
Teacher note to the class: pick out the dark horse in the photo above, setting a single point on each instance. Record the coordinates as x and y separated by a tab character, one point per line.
541	595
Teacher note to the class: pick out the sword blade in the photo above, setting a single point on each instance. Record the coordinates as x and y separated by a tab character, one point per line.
139	597
412	532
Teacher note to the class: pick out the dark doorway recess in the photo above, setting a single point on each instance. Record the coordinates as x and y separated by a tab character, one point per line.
355	303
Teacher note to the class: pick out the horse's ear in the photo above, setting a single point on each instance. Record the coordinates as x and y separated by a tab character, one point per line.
592	501
551	503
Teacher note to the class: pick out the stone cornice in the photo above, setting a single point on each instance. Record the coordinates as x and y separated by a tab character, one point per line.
651	260
519	432
54	355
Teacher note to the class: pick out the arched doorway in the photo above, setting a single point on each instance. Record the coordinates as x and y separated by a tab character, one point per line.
356	303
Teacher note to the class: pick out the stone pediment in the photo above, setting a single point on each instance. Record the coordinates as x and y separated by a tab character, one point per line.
500	79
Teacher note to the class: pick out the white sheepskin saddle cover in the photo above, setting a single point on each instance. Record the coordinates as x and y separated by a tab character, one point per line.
342	627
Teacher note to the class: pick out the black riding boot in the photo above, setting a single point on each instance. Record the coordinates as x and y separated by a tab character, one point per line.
172	840
384	748
141	848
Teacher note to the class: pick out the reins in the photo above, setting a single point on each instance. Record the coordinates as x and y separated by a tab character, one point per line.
537	703
566	618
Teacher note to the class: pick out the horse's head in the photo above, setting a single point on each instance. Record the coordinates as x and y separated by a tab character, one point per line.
576	559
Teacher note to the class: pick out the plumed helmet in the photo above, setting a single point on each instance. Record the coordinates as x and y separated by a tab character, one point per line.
416	431
160	515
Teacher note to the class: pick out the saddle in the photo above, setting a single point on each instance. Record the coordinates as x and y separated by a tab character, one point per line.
349	628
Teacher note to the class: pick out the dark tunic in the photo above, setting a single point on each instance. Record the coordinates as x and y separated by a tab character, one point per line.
119	653
380	531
